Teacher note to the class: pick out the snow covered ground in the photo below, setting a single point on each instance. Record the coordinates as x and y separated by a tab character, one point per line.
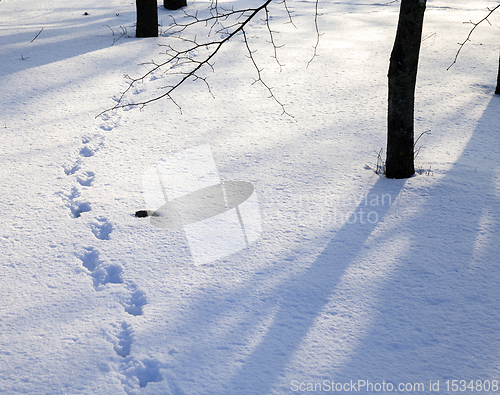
354	279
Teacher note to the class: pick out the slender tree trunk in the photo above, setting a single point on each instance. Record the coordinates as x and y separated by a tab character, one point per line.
147	18
174	4
497	90
402	79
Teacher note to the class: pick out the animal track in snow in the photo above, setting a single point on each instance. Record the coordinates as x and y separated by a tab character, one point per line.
122	348
134	304
91	144
75	206
86	139
86	151
100	272
134	373
106	274
85	179
101	228
137	374
90	258
107	123
107	127
71	169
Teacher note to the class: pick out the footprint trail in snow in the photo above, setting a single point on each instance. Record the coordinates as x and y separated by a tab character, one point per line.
134	373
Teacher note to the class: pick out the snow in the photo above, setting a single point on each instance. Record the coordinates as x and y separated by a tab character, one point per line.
354	277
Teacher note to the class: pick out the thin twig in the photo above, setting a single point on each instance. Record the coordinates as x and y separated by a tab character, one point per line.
124	31
259	79
415	153
271	38
37	35
471	31
318	35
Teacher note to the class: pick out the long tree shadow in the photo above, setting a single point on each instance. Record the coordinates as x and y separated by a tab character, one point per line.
305	295
69	38
438	316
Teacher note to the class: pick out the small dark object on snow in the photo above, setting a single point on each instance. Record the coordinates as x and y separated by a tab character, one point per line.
85	13
146	213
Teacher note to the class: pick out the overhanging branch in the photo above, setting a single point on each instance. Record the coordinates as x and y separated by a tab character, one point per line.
490	11
185	63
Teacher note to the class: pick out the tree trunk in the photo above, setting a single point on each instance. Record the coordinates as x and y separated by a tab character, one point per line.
402	79
497	90
174	4
147	18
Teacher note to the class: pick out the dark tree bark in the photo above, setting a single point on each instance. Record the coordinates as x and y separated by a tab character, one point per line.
402	80
174	4
147	18
497	90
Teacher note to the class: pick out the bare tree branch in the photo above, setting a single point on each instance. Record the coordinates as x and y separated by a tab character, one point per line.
259	79
124	31
289	13
186	60
471	31
177	58
318	35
